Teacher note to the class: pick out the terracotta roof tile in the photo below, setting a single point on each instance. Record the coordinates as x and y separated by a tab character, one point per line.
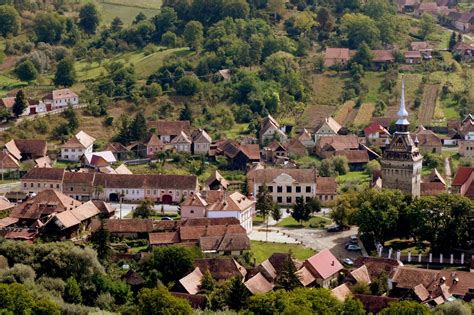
305	276
338	142
258	284
192	281
251	151
376	266
326	185
361	274
382	55
421	292
129	225
354	156
51	174
324	263
462	175
80	140
7	161
221	268
163	238
36	148
341	292
268	175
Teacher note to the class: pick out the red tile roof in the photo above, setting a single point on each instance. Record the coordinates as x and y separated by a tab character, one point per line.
326	185
462	175
375	127
354	156
324	263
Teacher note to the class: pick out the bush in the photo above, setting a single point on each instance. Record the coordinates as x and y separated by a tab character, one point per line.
109	121
188	85
18	273
54	285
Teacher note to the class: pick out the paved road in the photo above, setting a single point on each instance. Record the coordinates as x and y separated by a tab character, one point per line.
128	207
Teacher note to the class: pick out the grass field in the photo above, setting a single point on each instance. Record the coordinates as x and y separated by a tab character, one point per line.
126	13
144	65
353	177
263	250
327	88
406	246
148	4
372	81
343	111
316	222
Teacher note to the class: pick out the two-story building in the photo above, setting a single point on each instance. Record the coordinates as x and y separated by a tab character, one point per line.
61	98
39	179
328	127
201	142
270	130
220	204
284	185
77	146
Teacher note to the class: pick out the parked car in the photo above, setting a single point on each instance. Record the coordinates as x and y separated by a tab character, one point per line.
166	219
334	228
353	248
354	239
348	261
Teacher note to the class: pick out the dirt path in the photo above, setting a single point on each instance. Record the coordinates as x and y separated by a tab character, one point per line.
428	104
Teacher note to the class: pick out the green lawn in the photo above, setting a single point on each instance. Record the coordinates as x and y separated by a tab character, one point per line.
372	81
315	222
361	177
308	161
263	250
144	65
126	13
64	164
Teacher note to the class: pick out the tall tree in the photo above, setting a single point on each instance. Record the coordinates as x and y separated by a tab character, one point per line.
276	7
26	71
138	130
194	35
48	27
264	203
172	262
406	308
363	56
208	284
89	18
72	120
116	25
326	21
452	40
186	113
276	213
72	291
287	278
300	212
65	73
159	301
9	20
359	28
427	25
20	103
101	242
144	210
238	294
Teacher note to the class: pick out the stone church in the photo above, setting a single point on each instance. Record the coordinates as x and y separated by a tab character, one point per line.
401	161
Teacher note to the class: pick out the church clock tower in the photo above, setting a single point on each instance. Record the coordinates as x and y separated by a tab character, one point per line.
401	161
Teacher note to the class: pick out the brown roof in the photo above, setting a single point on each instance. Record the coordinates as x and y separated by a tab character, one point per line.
341	292
326	185
354	156
258	284
192	281
32	147
221	268
251	151
116	147
420	45
361	274
412	54
210	221
376	266
7	102
8	161
432	188
216	176
338	142
129	225
305	276
78	178
374	304
8	221
234	242
421	292
21	234
427	137
201	136
170	128
80	140
295	146
62	93
336	54
133	278
46	202
194	233
146	181
382	55
268	175
75	216
5	204
163	238
50	174
104	207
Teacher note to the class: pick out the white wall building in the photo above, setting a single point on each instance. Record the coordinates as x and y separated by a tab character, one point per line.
77	146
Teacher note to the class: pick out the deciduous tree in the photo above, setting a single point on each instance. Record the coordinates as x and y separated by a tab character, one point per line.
9	20
20	103
89	18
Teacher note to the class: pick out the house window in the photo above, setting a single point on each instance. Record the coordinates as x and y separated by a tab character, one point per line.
71	189
39	185
279	189
24	185
192	211
288	189
270	188
298	189
57	185
279	199
288	199
51	186
66	150
308	189
31	185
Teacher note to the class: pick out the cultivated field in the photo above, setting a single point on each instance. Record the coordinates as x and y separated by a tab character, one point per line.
364	114
428	104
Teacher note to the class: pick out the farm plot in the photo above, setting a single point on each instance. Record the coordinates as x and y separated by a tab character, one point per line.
428	104
343	111
327	88
364	114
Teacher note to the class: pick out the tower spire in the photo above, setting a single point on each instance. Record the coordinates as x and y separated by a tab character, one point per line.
402	112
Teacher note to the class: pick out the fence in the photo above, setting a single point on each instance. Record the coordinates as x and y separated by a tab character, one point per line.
441	259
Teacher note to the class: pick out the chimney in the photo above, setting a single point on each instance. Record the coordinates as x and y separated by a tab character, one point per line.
332	263
455	280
